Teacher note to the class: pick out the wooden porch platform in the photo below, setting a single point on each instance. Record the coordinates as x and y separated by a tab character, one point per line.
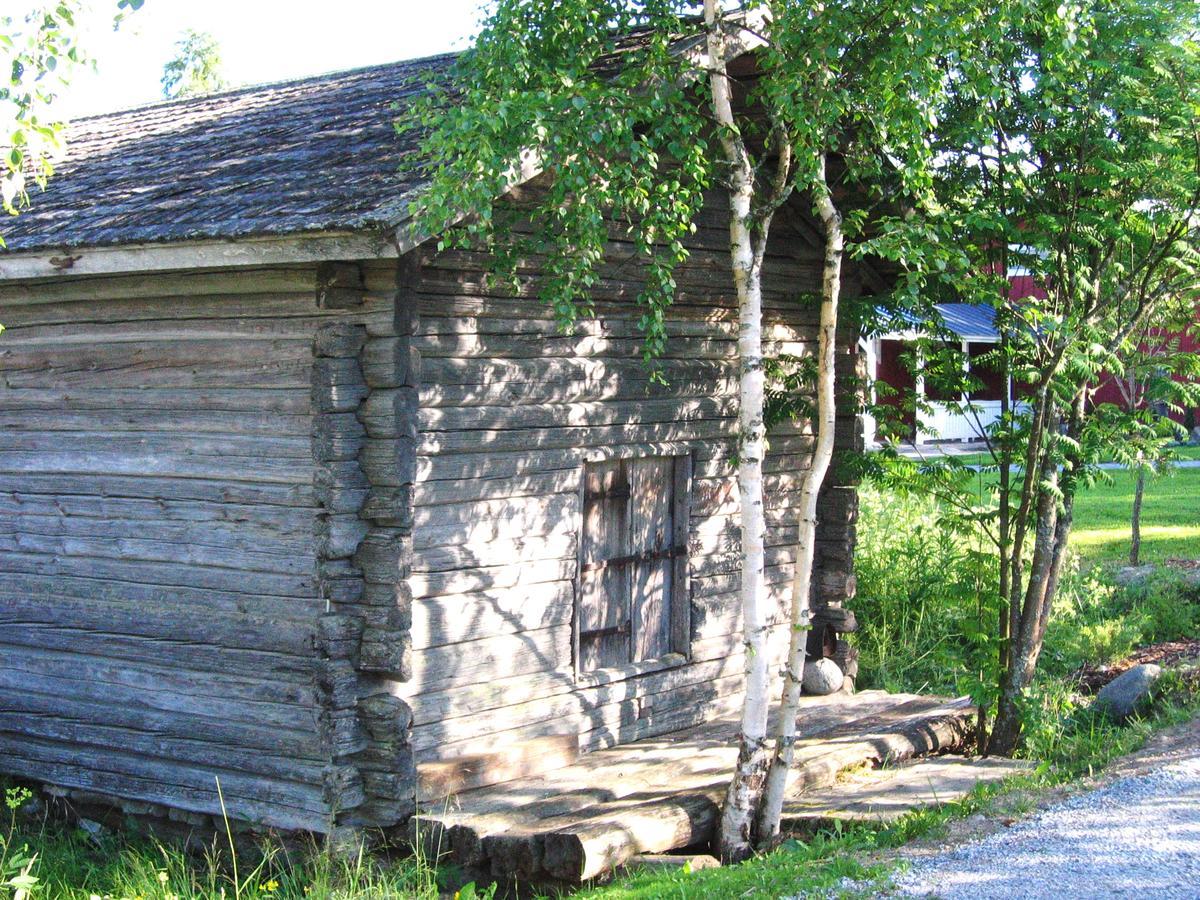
664	793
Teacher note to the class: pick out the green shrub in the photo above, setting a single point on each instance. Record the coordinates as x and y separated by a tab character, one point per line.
1169	605
926	602
928	610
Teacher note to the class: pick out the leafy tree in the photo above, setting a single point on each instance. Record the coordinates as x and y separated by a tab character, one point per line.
38	53
632	119
196	68
1082	166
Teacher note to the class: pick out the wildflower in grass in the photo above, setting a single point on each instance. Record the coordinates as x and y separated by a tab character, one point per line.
271	886
163	878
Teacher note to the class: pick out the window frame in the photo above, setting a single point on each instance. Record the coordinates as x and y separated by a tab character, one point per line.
679	603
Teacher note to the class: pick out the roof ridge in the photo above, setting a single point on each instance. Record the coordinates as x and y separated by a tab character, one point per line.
258	86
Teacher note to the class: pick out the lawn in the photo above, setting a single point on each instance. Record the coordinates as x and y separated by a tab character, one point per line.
1179	451
1170	518
1170	514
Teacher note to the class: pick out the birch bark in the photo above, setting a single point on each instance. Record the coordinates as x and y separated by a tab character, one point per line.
745	788
810	486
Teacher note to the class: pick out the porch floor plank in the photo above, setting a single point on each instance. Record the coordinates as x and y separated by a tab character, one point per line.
663	793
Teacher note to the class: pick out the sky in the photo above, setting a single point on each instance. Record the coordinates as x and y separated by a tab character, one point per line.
260	40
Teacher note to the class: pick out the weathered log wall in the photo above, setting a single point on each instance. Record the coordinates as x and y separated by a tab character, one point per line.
510	409
294	527
181	595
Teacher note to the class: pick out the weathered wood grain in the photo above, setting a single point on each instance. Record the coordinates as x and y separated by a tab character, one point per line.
510	410
159	597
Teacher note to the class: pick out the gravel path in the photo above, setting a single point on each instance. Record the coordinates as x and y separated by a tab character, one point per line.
1138	836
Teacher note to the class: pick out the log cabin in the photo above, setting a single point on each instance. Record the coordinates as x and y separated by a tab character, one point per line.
294	504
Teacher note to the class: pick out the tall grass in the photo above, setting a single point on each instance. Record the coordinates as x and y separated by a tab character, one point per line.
923	589
928	617
70	863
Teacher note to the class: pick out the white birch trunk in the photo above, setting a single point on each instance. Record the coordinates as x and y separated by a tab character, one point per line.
810	486
745	789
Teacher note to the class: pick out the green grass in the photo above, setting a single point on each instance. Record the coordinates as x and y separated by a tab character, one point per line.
1102	527
1179	451
1170	518
72	864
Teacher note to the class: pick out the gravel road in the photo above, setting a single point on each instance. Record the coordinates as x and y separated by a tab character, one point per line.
1138	836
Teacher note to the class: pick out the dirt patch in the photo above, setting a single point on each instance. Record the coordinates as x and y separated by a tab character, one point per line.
1186	564
1166	654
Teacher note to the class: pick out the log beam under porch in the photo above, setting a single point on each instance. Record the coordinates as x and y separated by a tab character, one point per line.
664	793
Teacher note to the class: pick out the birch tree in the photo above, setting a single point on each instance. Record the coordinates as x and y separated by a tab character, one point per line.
195	69
630	112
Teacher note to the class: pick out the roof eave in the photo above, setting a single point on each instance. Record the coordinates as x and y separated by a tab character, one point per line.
221	253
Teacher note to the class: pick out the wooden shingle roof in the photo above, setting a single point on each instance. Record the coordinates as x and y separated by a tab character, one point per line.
314	155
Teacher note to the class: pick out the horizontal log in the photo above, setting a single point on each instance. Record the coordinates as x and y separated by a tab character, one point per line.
116	722
280	521
511	440
110	771
214	490
466	524
557	345
151	572
244	399
473	372
185	655
556	481
291	448
561	545
160	364
53	584
518	575
163	462
170	688
165	287
587	850
579	415
237	545
440	668
229	631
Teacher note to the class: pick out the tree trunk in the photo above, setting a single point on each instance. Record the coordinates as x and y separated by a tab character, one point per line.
1025	646
1135	544
1068	486
810	486
734	840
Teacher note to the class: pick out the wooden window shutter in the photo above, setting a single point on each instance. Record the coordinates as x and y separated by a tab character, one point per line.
633	561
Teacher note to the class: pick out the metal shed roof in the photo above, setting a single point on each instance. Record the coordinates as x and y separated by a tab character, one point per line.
965	320
968	321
